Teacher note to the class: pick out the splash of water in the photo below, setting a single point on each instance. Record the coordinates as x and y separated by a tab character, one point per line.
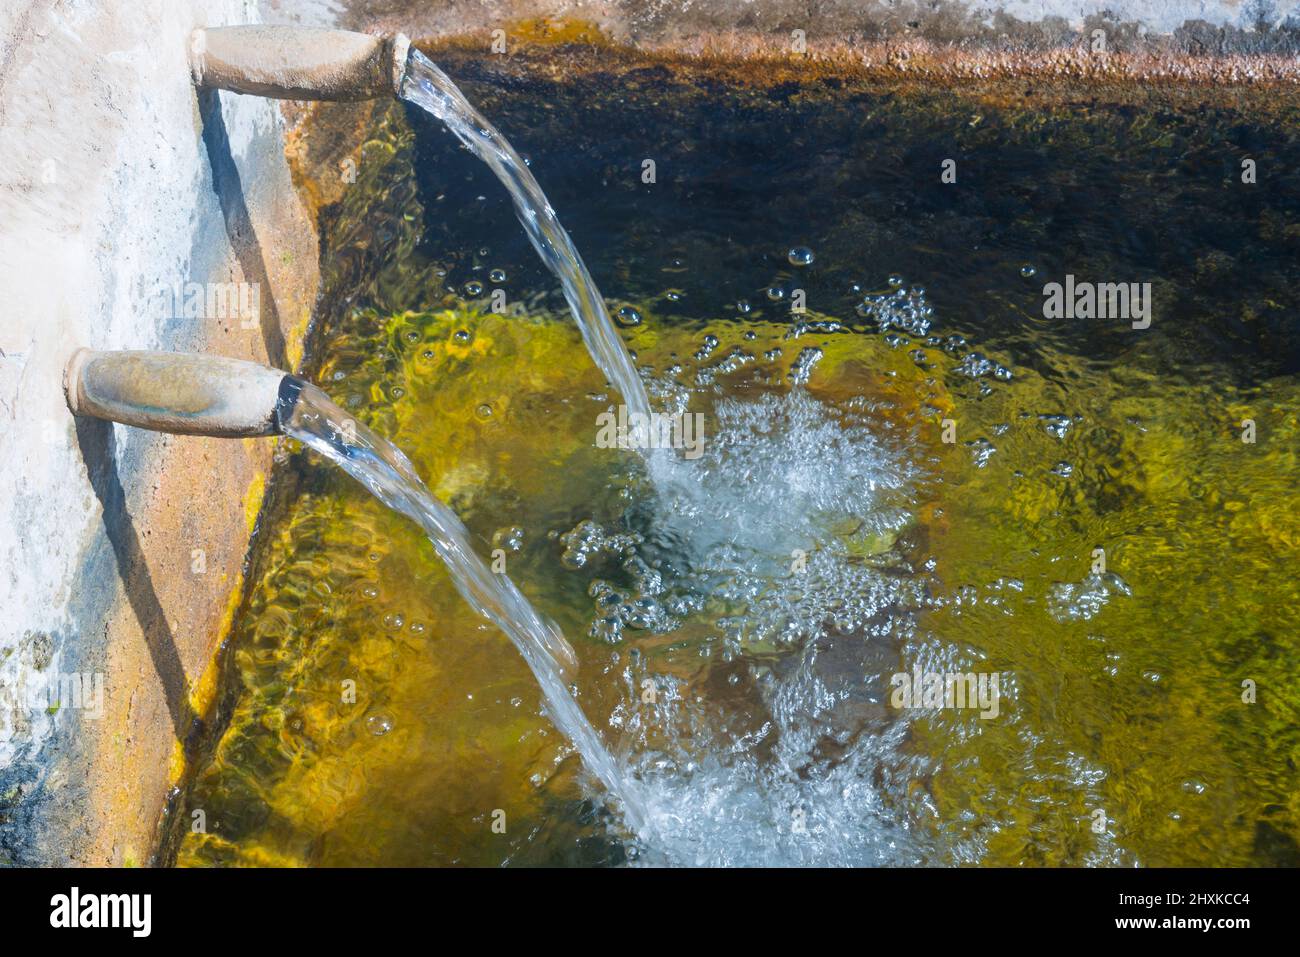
788	753
429	88
382	468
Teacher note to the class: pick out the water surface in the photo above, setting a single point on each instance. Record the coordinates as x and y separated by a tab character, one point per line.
765	733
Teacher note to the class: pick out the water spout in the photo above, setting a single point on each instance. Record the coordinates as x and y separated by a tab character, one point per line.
178	392
192	394
301	63
298	63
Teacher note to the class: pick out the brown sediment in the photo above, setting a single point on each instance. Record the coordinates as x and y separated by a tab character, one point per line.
325	145
326	142
562	50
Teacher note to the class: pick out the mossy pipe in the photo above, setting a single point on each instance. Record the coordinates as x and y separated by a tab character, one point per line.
298	63
180	392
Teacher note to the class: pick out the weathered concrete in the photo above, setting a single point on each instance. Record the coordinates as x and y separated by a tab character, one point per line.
1189	26
133	214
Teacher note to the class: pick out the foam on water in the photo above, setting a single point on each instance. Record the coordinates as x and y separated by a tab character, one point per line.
776	470
766	542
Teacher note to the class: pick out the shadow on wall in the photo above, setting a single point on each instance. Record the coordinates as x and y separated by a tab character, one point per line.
98	451
239	224
41	822
96	443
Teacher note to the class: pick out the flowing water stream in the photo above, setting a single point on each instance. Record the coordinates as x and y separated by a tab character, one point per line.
382	468
429	88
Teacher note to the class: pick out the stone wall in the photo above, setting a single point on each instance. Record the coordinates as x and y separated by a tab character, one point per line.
134	214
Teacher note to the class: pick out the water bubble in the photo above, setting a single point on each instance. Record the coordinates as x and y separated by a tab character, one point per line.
800	256
473	288
706	350
427	353
511	538
370	591
484	411
418	628
394	621
462	335
412	336
1027	270
775	293
628	317
498	276
1057	426
379	724
895	280
743	307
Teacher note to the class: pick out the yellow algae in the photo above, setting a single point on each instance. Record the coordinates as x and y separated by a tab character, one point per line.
360	665
253	500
